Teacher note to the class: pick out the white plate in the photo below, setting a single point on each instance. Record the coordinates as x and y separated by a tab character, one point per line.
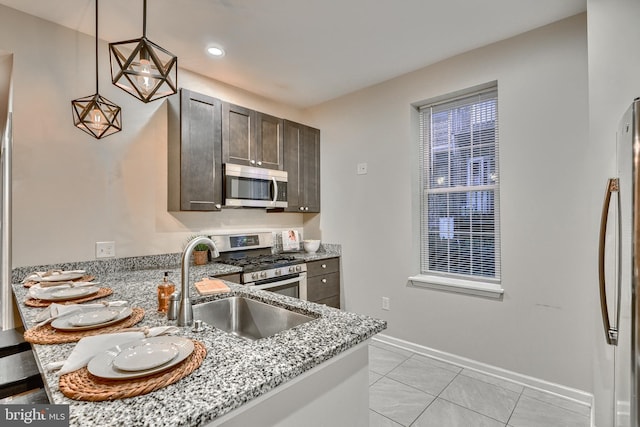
145	356
62	323
55	294
102	364
93	317
60	277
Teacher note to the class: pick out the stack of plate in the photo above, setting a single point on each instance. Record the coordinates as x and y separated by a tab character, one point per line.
141	358
91	318
63	276
66	294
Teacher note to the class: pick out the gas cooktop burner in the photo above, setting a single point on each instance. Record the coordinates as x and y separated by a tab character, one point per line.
262	262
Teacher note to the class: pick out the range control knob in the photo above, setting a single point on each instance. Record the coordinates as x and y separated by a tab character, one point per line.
263	275
298	268
277	272
254	276
292	269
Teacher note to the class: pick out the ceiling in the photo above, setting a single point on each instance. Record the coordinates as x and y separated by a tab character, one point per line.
304	52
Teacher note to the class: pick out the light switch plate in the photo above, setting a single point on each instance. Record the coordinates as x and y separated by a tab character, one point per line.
362	169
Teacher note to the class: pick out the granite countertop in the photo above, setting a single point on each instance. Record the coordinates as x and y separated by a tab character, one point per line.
235	370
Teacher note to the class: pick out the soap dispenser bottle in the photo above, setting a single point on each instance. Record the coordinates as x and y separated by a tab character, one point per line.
165	289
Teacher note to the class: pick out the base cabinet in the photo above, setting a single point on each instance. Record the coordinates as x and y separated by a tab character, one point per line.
323	282
334	393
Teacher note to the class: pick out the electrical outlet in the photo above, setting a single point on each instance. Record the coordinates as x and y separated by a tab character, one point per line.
105	249
385	303
362	169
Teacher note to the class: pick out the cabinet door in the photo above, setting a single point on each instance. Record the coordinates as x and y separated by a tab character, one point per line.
200	152
302	163
293	165
269	153
311	169
238	135
324	286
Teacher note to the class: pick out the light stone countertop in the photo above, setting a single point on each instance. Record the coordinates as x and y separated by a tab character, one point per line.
234	371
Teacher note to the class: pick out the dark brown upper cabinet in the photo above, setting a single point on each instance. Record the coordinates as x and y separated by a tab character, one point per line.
195	152
251	138
302	163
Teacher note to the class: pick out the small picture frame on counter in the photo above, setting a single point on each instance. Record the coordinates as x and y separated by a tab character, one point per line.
290	241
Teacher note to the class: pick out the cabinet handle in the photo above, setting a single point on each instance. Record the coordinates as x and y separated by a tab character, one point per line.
306	208
324	280
253	162
218	206
259	163
324	265
301	208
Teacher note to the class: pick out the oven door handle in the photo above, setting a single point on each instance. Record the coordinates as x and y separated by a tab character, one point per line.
273	284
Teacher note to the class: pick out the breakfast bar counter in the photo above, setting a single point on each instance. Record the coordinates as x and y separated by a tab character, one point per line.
235	373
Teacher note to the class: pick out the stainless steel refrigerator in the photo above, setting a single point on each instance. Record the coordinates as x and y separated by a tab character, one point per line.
6	143
620	261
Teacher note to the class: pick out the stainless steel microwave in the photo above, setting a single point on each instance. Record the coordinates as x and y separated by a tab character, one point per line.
247	186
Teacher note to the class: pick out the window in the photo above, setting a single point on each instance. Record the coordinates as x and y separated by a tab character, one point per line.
460	234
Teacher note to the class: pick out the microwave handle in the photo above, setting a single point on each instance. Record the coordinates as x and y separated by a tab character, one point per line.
275	190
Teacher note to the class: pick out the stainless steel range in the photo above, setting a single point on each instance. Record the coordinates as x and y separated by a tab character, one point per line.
261	268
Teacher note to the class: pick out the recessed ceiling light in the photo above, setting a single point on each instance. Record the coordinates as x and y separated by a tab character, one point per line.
215	51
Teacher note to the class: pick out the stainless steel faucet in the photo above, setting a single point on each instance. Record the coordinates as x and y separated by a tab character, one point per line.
185	314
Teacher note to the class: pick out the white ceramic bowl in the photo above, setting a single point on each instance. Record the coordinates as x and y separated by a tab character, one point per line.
311	246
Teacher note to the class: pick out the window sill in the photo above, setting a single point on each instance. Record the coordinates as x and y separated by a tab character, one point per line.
490	290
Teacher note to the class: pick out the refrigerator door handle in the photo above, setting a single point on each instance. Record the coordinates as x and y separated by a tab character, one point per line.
611	333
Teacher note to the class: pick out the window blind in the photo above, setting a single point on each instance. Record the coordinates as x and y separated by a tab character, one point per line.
460	198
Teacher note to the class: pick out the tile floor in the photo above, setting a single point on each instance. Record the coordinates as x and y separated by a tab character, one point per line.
409	389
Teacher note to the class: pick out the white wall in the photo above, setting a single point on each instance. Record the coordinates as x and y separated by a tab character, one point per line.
538	329
614	81
71	190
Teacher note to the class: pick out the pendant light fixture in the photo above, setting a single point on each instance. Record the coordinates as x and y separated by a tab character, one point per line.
95	114
142	68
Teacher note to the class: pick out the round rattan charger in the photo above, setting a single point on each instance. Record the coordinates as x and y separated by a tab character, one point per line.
47	334
81	385
40	303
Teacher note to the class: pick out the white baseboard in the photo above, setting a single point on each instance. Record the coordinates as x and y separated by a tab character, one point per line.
578	396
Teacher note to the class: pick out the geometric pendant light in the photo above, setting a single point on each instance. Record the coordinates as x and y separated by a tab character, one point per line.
142	68
95	114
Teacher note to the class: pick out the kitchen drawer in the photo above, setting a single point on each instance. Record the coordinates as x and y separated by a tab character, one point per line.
323	286
233	277
330	265
333	301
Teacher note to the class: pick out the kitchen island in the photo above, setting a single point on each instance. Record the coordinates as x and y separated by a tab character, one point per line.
276	379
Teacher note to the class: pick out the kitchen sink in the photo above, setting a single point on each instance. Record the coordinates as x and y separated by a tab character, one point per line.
247	318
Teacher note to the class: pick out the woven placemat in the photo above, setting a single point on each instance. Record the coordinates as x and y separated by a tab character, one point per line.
81	385
85	278
102	292
47	334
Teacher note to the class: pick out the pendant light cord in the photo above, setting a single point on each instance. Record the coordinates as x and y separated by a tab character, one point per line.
97	47
144	18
